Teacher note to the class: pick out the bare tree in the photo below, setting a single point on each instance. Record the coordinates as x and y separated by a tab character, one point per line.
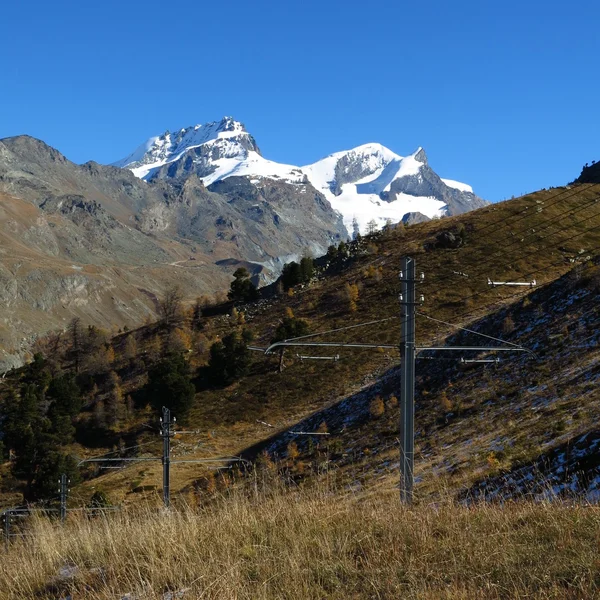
171	308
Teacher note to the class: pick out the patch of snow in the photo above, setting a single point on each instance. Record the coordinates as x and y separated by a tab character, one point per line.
253	165
457	185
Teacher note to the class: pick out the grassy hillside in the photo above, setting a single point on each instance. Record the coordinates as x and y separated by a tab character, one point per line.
322	544
464	435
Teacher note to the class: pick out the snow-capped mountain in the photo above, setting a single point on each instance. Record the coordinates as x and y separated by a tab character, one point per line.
363	184
358	184
214	151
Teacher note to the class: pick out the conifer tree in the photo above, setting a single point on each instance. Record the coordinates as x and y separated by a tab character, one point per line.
230	358
242	289
169	384
290	327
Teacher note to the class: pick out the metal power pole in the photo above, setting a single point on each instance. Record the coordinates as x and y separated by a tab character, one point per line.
166	433
407	392
7	528
63	491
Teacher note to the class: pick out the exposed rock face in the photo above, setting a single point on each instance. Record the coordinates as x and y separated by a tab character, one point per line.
201	160
352	167
414	217
427	183
280	208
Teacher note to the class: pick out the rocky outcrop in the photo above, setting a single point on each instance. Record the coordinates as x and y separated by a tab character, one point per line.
351	167
414	217
426	183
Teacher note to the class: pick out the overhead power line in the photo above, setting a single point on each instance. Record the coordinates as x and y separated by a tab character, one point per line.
558	197
482	266
530	273
484	335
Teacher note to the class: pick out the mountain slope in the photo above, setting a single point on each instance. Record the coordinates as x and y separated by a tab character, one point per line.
522	429
365	183
141	237
77	261
472	421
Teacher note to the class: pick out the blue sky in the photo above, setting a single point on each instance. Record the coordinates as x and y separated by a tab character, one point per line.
502	96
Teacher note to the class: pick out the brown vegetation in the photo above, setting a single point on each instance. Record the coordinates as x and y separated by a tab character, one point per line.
317	544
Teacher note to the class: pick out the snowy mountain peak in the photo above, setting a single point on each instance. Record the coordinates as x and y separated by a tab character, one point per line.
358	183
365	183
169	147
371	167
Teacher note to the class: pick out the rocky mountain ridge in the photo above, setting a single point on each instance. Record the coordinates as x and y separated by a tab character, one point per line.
365	184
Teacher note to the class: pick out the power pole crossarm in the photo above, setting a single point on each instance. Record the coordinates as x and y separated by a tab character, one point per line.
512	283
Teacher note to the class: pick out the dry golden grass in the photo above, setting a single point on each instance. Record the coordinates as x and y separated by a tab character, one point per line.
317	544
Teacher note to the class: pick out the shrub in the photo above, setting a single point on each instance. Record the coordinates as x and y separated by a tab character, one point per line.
445	402
290	327
99	499
508	325
376	407
292	451
130	348
351	294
